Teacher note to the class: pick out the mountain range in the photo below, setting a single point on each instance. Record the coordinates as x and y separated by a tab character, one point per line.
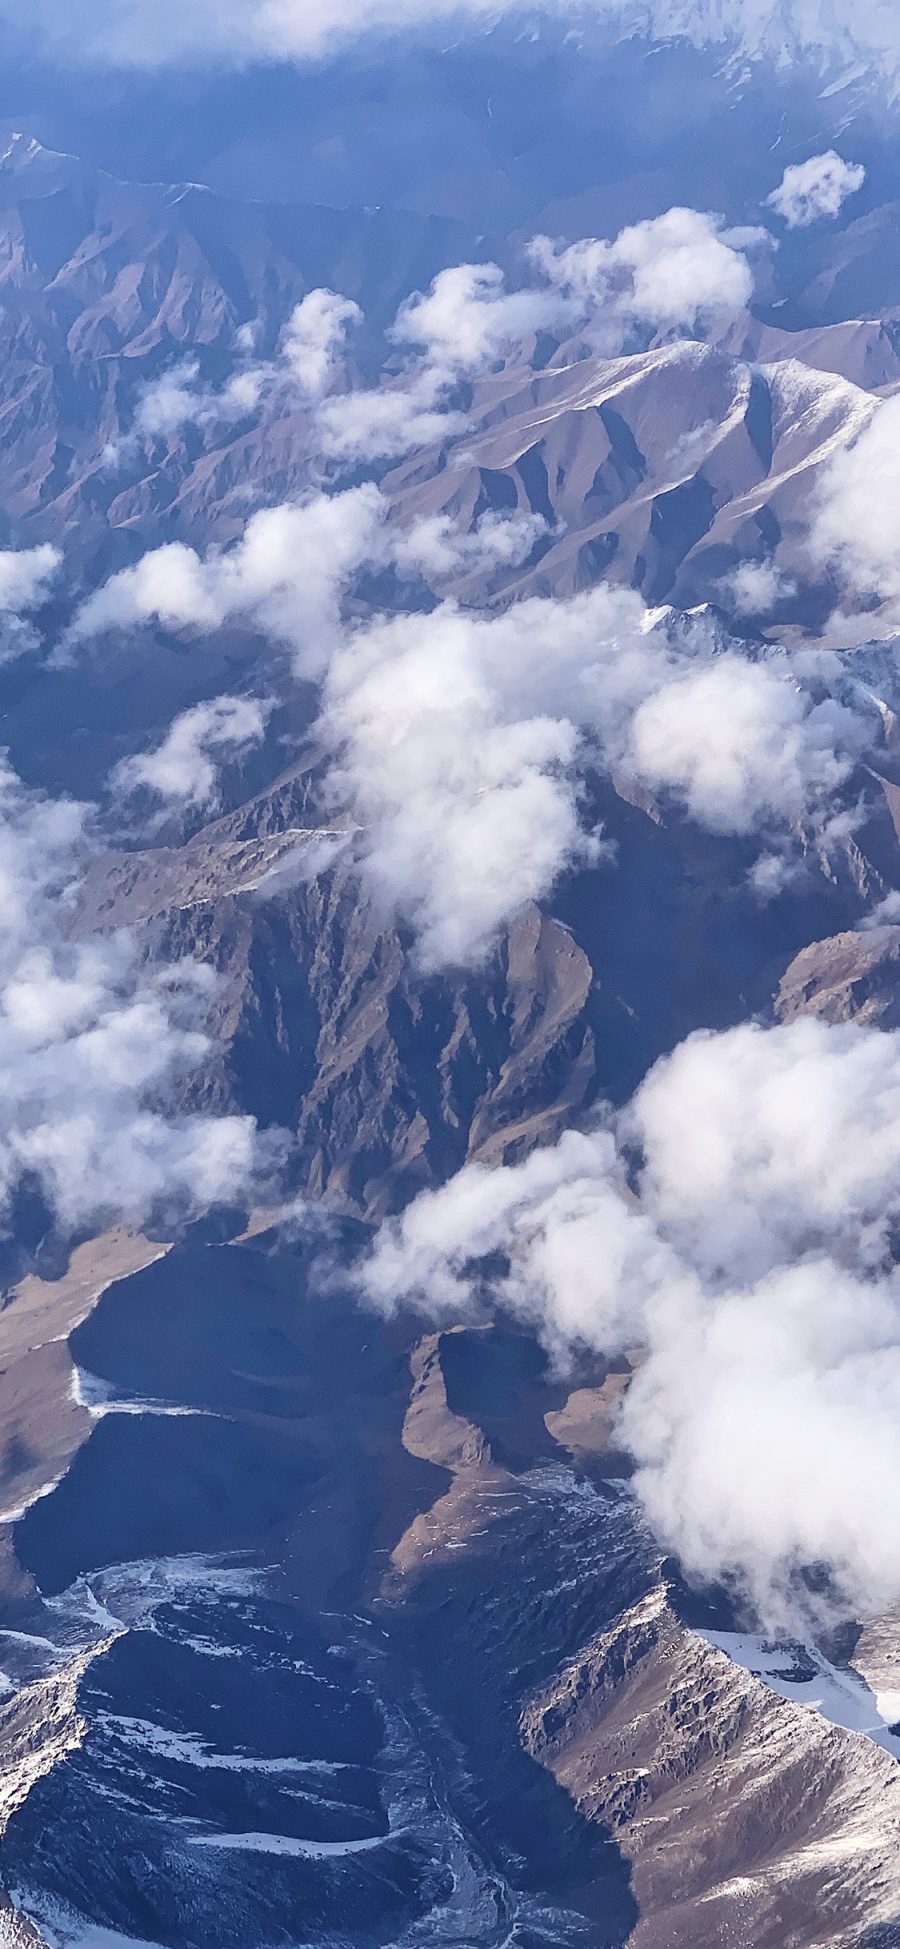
350	1624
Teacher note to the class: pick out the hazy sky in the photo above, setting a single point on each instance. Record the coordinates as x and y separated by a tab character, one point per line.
128	31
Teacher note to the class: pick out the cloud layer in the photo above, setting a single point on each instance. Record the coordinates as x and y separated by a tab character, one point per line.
462	742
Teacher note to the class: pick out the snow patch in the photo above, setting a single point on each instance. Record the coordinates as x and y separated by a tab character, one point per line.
99	1397
167	1744
63	1929
288	1844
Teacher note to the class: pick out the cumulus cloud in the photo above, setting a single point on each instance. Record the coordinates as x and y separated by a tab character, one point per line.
752	1265
456	739
313	338
469	809
287	574
755	588
306	361
178	399
854	521
468	318
26	579
764	1144
677	271
885	914
587	1261
680	269
743	746
464	741
291	569
765	1429
435	547
184	768
91	1046
381	422
460	745
819	188
462	324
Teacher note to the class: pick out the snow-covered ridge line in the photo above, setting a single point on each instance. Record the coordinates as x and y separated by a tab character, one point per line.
801	1674
848	45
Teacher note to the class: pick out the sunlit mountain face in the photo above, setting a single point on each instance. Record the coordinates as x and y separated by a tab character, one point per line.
449	1022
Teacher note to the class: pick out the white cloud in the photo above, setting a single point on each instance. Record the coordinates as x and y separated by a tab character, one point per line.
767	1436
182	770
744	747
307	360
313	338
680	269
811	190
885	914
178	399
466	321
168	403
582	1263
123	31
461	746
287	574
91	1046
461	742
381	422
468	318
755	588
26	579
468	800
772	1168
434	547
799	1124
854	525
752	1266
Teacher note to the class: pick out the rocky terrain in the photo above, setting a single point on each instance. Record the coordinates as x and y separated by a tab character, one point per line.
439	1689
318	1626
